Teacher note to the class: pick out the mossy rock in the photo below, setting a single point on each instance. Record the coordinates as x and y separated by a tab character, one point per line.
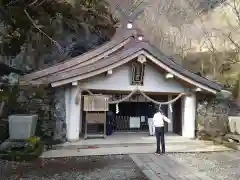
23	155
3	131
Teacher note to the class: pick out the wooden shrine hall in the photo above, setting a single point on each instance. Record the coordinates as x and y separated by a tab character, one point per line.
126	76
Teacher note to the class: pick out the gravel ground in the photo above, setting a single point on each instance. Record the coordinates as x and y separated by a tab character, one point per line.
218	165
119	167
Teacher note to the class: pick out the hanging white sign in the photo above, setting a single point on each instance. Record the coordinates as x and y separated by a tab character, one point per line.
134	122
142	118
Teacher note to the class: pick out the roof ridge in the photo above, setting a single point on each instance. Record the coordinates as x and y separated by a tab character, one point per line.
105	57
133	45
120	36
124	52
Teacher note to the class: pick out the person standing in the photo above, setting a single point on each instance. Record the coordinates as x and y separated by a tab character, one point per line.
150	120
109	123
151	127
158	121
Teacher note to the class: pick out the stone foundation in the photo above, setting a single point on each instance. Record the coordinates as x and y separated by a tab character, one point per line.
59	115
49	105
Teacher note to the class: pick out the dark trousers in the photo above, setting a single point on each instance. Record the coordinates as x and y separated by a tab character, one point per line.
159	131
109	128
109	125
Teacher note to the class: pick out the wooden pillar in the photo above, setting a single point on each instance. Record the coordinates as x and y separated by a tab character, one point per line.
189	116
73	114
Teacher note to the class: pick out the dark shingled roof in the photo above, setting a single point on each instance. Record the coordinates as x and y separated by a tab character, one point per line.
113	53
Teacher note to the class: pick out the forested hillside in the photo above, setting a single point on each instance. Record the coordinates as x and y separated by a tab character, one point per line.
39	33
202	35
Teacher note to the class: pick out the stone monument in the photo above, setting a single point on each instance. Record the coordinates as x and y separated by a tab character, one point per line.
22	127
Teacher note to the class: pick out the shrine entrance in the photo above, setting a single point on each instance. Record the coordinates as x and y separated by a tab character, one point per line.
132	116
132	113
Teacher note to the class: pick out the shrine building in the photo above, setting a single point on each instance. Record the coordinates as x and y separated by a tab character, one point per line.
132	75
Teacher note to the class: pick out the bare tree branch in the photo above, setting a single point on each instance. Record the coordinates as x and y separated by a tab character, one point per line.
232	41
134	7
41	31
235	10
40	4
34	2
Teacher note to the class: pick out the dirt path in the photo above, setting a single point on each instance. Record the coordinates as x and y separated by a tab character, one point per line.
119	167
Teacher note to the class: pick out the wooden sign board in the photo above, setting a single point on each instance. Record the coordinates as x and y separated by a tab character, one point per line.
95	117
95	103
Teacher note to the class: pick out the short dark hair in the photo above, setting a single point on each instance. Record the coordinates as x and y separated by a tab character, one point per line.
160	110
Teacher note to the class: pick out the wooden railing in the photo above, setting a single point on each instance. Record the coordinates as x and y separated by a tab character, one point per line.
122	123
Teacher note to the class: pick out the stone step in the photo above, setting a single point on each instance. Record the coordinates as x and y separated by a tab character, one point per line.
131	142
130	150
168	144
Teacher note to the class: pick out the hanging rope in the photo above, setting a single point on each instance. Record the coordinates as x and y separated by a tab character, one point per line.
161	103
123	99
130	95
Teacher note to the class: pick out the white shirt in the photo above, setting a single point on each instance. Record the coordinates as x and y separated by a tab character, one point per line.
159	118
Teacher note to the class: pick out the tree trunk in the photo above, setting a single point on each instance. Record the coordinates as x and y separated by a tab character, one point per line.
238	90
1	107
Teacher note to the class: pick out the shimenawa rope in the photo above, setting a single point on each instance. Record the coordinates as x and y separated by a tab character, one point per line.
130	95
